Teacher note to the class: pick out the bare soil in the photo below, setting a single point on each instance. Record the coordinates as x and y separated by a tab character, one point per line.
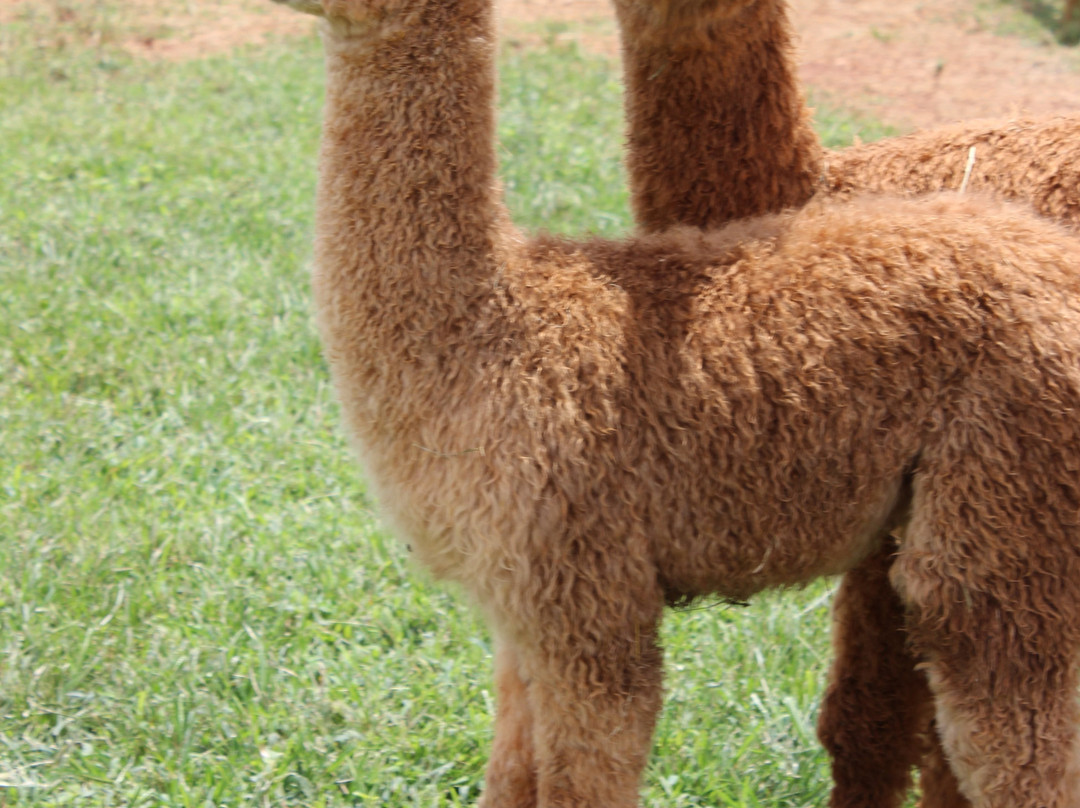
917	65
907	62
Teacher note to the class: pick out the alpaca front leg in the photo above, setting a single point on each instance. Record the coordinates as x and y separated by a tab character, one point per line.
936	779
510	780
595	713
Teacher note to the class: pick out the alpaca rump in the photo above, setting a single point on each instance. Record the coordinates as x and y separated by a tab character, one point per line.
1031	160
625	417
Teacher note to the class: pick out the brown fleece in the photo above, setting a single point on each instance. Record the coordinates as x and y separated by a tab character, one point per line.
875	693
512	768
578	432
1030	160
717	128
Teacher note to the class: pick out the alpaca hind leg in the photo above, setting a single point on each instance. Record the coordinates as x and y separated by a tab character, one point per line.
936	779
1002	668
1007	723
510	780
877	709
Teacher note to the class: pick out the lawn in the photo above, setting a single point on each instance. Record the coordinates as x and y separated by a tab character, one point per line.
198	604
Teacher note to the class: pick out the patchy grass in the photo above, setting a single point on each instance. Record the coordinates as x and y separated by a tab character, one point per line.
151	29
838	128
1038	21
197	605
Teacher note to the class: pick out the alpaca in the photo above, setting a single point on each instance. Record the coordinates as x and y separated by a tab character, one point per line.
718	130
579	433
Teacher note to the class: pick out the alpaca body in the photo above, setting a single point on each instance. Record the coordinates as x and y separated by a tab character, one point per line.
780	365
580	432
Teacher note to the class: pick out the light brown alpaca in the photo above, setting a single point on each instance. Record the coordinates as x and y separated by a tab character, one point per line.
717	130
581	432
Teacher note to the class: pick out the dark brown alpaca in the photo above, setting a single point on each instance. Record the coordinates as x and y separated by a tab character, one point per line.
579	432
718	130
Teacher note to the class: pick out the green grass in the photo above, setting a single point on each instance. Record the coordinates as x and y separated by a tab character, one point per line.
197	605
838	127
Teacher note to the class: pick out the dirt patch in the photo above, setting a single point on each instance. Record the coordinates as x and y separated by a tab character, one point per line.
208	28
916	65
907	63
154	28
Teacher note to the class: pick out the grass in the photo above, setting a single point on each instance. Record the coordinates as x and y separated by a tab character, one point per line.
1039	21
198	606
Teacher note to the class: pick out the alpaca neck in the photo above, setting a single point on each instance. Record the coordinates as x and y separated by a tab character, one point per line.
407	208
718	129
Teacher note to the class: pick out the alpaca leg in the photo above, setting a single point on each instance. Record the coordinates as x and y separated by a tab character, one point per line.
1002	666
877	706
936	779
1008	718
510	781
595	712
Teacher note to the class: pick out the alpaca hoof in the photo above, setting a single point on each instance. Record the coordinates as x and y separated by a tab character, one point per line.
305	6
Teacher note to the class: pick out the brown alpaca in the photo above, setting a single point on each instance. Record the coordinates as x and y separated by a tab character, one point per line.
581	432
717	130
